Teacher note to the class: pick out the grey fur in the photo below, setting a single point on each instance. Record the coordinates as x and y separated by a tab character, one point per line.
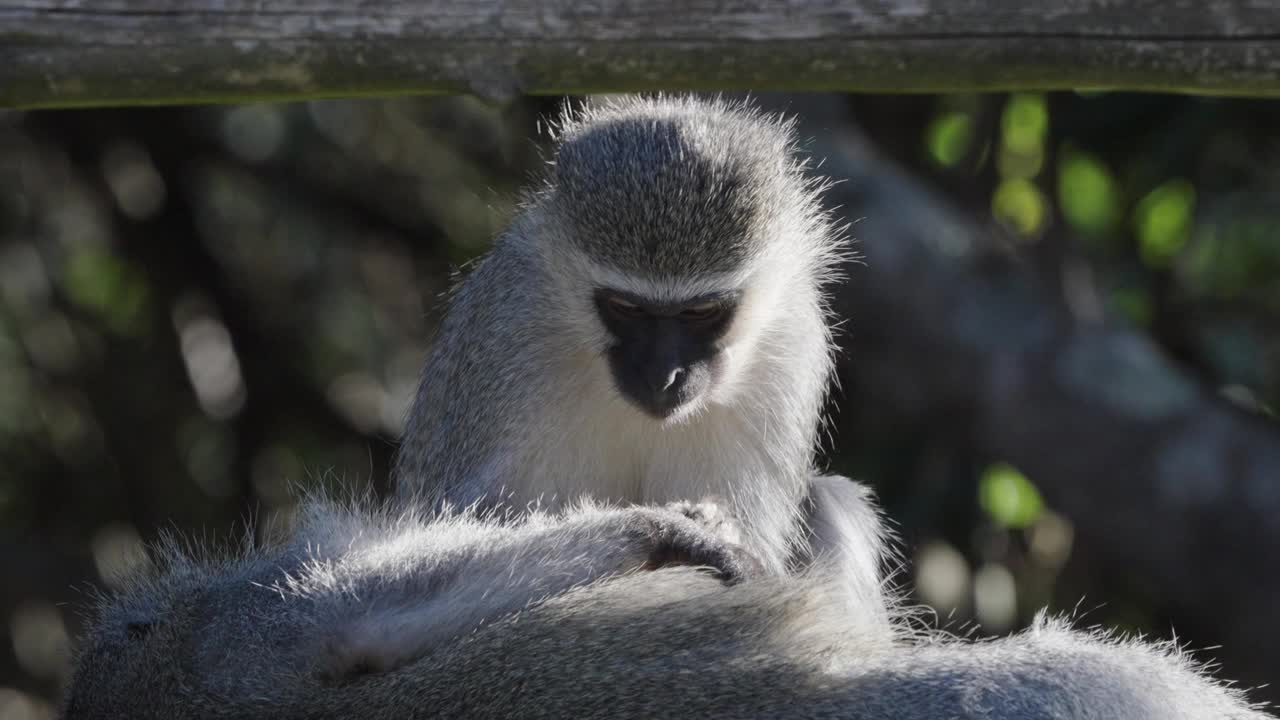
849	543
280	634
355	592
668	198
394	614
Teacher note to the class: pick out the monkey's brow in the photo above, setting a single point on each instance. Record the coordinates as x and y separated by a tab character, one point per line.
720	297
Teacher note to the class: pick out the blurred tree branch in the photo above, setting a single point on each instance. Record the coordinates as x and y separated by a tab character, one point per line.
117	52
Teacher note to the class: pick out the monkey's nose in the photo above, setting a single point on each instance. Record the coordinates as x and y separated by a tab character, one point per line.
665	389
656	387
663	380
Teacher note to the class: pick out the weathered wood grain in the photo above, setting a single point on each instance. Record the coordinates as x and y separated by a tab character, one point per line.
73	52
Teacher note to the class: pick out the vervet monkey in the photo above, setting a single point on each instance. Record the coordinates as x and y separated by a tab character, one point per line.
651	328
384	616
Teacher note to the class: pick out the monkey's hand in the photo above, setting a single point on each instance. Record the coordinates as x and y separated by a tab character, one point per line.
712	516
694	534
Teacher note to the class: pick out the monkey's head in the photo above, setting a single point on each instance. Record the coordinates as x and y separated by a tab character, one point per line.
683	230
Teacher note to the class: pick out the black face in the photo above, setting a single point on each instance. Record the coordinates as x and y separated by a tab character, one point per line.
663	355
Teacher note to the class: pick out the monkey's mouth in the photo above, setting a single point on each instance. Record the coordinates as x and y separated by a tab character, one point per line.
658	404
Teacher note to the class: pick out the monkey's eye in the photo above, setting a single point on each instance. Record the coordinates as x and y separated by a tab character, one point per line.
625	309
701	313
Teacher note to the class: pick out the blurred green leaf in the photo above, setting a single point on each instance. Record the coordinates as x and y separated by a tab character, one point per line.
1019	204
1163	222
1025	122
1008	496
1086	193
949	136
1023	127
108	287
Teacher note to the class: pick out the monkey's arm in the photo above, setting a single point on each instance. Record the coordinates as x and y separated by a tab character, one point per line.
478	573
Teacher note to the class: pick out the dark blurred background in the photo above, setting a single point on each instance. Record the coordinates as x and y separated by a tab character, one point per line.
1061	354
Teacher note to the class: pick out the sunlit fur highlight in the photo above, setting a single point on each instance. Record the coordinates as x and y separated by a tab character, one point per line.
382	614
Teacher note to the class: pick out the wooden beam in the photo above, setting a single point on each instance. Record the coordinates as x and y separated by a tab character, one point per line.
101	52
